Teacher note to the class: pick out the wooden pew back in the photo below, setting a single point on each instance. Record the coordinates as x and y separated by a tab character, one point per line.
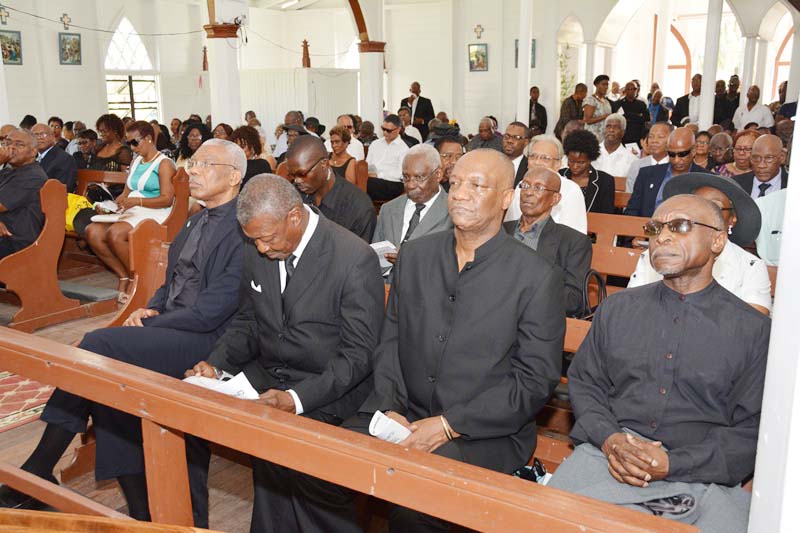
464	494
362	175
180	208
609	228
86	176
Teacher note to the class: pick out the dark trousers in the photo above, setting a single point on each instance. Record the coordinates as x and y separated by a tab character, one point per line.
119	435
384	190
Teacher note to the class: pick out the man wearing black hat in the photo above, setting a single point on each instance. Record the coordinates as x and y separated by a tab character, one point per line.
742	273
314	127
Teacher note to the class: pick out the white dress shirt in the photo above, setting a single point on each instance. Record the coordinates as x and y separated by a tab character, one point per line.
72	147
740	272
355	148
408	212
281	146
694	108
570	211
774	185
636	166
42	155
313	220
759	114
411	131
386	160
616	163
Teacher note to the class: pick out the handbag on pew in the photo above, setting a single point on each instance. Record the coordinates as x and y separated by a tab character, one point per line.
587	310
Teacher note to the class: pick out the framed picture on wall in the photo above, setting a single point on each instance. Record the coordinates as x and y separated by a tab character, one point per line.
69	48
516	53
478	57
11	44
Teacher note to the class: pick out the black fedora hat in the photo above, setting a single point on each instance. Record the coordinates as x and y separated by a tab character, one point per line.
747	213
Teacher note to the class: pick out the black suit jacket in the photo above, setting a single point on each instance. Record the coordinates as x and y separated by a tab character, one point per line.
57	164
541	116
568	250
317	338
424	111
747	180
642	202
521	171
662	115
681	110
219	285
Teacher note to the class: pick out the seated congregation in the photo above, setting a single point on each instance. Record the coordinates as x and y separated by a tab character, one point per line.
272	275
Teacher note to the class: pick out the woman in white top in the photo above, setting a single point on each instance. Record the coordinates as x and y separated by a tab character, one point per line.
148	193
742	273
597	107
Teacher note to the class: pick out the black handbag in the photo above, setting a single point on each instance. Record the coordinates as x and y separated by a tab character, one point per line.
587	311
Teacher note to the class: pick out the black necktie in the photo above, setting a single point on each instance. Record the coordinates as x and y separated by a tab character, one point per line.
289	264
762	187
186	257
412	225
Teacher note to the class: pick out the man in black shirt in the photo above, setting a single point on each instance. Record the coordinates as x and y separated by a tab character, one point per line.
21	217
636	114
667	386
337	199
466	383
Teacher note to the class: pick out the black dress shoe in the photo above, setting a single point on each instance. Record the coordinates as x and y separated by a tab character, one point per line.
14	499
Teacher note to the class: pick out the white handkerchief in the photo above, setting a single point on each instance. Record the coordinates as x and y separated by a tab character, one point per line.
238	386
385	428
255	287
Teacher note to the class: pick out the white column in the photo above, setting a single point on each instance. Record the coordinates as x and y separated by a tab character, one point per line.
664	13
794	70
524	60
591	47
5	117
748	67
370	82
777	482
608	64
713	25
223	67
761	69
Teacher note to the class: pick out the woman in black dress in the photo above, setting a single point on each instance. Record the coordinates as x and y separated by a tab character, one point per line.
342	163
582	147
248	138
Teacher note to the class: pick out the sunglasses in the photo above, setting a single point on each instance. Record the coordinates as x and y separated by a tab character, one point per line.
387	130
679	154
681	226
134	142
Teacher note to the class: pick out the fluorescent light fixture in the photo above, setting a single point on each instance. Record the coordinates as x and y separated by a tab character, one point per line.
290	3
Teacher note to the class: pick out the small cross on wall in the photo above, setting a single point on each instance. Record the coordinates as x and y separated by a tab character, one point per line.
3	15
478	31
65	20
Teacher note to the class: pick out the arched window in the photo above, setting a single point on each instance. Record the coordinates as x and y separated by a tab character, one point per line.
679	73
131	80
782	62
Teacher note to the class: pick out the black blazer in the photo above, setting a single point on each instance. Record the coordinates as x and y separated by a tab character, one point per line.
219	285
681	110
568	250
747	180
541	116
316	338
424	111
57	164
599	193
642	202
521	171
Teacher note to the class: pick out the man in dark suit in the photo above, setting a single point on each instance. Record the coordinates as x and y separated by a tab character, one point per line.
467	384
309	316
567	250
648	190
688	105
421	109
768	174
537	114
181	323
57	126
422	209
515	139
55	162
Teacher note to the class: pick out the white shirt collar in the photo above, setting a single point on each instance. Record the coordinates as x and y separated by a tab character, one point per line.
43	154
313	220
517	162
428	204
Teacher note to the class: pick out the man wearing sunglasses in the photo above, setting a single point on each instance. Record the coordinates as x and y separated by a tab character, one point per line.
648	191
737	270
385	158
666	388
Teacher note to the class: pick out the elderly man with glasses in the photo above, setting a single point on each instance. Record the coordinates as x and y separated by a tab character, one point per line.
666	388
336	198
768	174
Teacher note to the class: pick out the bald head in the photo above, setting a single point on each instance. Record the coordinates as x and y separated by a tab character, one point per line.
547	177
493	164
306	147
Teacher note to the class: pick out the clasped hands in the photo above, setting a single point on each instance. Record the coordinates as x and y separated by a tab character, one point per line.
634	461
426	434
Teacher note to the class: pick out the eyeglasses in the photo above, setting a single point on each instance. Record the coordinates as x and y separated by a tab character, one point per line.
387	130
302	175
681	226
41	134
743	149
134	142
757	159
419	180
720	149
537	188
450	157
542	157
508	137
679	154
193	163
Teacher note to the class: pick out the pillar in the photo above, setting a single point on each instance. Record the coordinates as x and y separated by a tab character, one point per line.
794	69
5	117
713	26
664	12
777	481
761	69
370	81
223	63
608	64
524	60
748	67
591	48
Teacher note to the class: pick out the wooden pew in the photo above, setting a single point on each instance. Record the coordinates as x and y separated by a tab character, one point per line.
621	199
180	208
32	274
466	495
620	182
362	175
86	177
608	228
20	521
